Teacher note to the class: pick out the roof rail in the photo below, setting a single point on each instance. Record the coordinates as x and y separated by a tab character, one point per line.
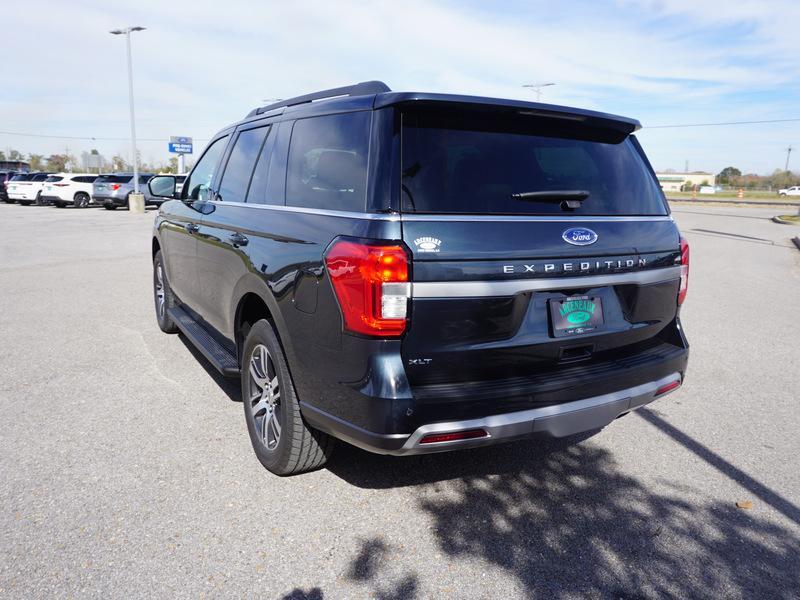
359	89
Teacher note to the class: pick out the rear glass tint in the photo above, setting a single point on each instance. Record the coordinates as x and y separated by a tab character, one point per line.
114	179
24	177
53	179
475	164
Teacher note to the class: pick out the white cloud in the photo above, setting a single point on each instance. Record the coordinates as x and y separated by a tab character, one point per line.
201	65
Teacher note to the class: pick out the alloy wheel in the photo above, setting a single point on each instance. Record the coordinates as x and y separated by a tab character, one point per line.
265	396
161	296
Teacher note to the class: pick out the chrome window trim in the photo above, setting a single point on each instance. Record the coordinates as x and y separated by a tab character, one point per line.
348	214
481	289
430	217
541	218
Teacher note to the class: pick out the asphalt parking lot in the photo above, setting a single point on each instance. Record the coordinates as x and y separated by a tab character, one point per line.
126	470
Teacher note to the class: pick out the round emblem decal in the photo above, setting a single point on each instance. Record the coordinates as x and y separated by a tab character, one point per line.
579	236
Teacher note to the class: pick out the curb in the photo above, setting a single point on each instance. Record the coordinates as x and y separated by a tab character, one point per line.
732	201
777	219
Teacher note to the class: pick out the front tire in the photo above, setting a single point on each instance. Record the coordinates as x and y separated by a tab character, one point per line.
281	439
162	295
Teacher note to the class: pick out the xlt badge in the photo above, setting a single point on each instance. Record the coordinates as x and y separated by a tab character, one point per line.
579	236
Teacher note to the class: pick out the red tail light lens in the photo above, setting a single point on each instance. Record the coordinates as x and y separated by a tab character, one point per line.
684	271
115	186
371	285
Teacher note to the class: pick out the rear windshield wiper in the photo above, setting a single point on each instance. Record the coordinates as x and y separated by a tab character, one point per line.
569	199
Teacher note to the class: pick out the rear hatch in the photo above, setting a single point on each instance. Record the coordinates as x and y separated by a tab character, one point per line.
544	260
108	184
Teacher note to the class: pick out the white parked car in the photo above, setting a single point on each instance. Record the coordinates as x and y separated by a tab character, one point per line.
26	187
791	191
68	188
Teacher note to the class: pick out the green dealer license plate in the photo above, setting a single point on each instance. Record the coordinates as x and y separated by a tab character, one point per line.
576	315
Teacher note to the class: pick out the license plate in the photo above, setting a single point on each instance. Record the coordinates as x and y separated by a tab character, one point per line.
576	315
49	188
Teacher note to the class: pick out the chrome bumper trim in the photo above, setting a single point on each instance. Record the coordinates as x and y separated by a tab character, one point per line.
559	420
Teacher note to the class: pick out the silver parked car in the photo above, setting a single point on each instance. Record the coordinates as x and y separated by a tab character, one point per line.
112	191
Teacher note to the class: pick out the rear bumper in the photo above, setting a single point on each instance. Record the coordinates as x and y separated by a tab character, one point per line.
558	420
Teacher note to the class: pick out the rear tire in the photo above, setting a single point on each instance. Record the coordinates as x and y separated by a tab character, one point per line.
58	204
25	202
81	200
162	295
281	439
110	206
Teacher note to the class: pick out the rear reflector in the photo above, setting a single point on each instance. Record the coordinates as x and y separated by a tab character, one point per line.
469	434
668	387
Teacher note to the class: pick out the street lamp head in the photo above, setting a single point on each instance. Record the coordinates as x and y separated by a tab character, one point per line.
127	30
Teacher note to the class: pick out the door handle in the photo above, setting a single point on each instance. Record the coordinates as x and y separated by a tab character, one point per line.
192	227
237	239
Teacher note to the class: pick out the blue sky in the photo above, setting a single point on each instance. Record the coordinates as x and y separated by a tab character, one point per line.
201	65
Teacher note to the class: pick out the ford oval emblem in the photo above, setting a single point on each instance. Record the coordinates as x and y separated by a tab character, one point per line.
579	236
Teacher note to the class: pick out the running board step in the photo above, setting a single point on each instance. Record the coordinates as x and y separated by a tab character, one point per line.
217	354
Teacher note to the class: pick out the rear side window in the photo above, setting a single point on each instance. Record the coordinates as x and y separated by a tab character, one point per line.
84	178
236	178
475	164
53	179
115	179
257	194
328	162
21	178
39	177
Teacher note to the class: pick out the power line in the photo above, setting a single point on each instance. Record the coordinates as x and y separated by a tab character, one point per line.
724	123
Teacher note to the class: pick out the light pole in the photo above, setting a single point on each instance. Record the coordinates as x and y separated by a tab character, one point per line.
127	31
537	88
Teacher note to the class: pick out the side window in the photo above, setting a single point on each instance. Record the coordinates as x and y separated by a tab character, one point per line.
328	162
199	182
236	177
257	194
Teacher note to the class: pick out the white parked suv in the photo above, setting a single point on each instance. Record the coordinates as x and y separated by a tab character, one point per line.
792	191
68	188
26	187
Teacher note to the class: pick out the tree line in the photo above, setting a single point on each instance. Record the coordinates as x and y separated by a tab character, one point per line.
777	180
91	161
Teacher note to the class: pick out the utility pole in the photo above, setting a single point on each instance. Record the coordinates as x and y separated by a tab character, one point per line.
537	88
788	154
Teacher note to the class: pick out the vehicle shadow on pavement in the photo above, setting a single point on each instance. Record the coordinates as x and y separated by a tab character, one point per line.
561	518
229	385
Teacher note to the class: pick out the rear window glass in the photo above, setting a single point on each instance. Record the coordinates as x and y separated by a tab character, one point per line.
463	163
328	162
25	177
39	177
53	179
114	179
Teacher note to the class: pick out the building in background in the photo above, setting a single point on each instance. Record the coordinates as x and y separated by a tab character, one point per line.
676	182
14	165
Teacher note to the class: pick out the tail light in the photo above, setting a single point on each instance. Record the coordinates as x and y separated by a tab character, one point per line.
672	385
684	271
115	186
371	285
60	184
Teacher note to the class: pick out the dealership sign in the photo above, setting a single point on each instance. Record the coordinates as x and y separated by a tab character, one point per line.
180	145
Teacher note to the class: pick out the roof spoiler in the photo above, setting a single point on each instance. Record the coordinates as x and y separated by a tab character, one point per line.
359	89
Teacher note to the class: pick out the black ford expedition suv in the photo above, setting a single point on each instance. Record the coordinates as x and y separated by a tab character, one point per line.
415	272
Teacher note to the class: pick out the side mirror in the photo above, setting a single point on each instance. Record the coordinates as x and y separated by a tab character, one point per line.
162	186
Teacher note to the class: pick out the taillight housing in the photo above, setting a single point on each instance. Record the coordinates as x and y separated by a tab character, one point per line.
684	271
115	186
370	281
